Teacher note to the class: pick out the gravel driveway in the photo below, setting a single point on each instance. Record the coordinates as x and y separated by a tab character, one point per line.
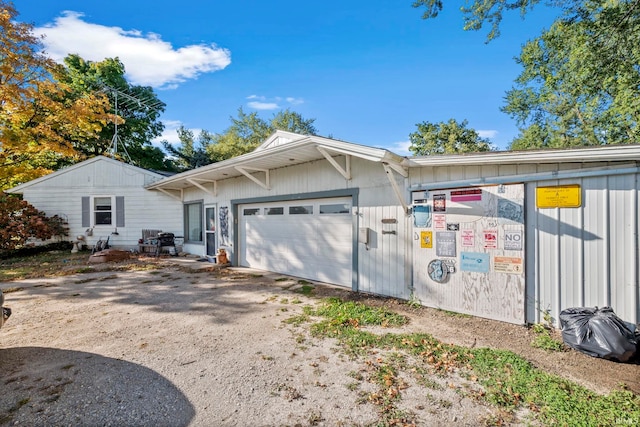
187	345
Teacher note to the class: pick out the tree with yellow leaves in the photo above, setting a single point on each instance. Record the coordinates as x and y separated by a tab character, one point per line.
40	115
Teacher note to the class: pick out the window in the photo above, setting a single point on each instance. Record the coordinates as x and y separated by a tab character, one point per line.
335	208
251	211
102	211
274	211
301	210
193	222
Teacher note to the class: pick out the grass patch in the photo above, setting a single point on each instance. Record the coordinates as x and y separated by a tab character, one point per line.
510	382
544	340
306	290
12	289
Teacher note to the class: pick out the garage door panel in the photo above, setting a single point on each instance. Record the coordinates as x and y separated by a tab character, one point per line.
314	246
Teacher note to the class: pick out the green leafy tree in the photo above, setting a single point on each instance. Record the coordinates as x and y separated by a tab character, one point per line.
446	138
191	153
580	83
40	115
478	12
248	131
138	111
20	221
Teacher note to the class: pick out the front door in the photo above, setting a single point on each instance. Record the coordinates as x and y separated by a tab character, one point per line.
210	231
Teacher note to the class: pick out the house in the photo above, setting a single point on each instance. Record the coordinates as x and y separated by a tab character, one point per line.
104	198
512	236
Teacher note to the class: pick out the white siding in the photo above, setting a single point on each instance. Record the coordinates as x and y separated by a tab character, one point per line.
62	195
576	257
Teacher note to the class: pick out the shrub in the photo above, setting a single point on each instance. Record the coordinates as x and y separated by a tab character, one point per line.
20	221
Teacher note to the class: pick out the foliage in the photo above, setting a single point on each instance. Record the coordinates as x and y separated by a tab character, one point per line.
248	131
509	381
40	115
191	153
20	221
137	123
580	83
544	340
446	138
477	12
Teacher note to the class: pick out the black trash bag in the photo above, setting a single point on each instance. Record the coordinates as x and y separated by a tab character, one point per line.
598	332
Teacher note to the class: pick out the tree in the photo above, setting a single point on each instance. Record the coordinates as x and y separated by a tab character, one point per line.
190	154
39	114
20	221
580	83
138	109
248	131
491	11
446	138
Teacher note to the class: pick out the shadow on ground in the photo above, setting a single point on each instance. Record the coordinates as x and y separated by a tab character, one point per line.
47	386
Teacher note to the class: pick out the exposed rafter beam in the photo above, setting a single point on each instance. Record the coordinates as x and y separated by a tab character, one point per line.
171	193
399	168
346	171
195	182
396	189
245	171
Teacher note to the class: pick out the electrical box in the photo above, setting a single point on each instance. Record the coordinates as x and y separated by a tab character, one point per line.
363	235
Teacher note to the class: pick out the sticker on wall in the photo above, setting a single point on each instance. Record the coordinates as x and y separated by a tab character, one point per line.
439	221
468	238
490	239
471	195
446	243
438	271
426	239
453	226
475	262
422	216
439	202
513	240
560	196
505	264
224	226
510	211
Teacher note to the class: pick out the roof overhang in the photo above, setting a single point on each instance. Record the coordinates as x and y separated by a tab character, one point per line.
257	164
607	153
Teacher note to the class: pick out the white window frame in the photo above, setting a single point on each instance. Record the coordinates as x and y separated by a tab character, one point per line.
93	211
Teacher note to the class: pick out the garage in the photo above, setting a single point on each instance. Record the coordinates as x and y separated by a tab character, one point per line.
311	238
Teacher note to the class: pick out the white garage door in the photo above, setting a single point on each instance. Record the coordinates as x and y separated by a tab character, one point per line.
305	238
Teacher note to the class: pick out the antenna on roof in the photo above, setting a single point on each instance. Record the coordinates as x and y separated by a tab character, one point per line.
127	100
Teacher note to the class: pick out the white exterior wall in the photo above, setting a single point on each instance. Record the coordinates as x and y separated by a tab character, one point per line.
575	257
62	193
381	269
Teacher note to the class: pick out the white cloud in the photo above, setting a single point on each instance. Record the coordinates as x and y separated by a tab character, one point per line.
487	133
148	59
256	105
401	148
170	133
259	102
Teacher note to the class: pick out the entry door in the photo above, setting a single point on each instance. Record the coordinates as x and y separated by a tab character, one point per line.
210	231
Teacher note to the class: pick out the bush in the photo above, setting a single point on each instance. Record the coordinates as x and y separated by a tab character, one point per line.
20	221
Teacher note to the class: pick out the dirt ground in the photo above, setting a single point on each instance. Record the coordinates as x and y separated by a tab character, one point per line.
191	345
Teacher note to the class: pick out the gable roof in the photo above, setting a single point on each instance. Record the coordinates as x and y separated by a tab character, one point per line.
279	150
20	188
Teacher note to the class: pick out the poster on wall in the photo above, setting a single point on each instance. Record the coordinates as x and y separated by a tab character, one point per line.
439	202
475	262
426	239
224	226
446	243
510	211
490	239
513	240
505	264
468	238
422	216
440	221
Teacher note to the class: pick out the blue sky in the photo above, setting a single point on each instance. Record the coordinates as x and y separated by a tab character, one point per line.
367	71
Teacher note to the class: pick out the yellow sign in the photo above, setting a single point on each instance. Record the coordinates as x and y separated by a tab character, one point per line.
426	239
561	196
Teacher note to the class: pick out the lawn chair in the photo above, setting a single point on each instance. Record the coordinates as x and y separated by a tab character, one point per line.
149	241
